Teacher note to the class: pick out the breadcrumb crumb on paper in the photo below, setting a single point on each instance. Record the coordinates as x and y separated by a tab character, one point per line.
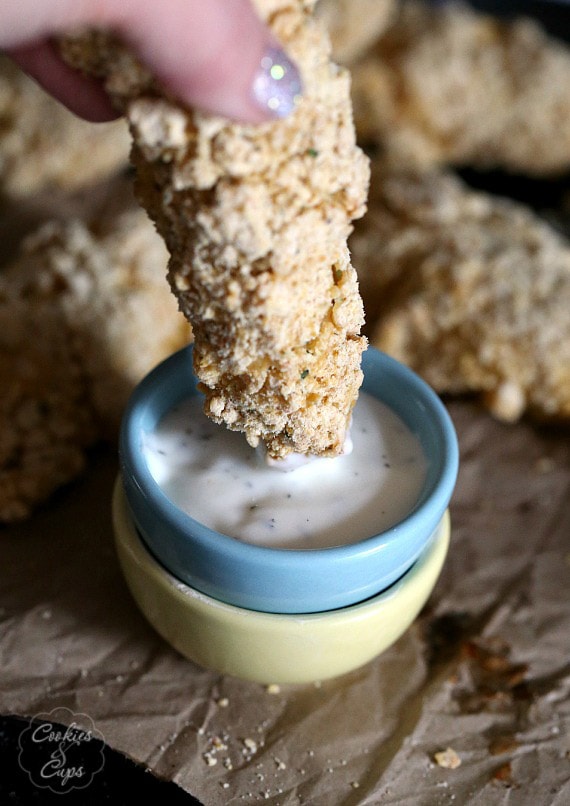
256	220
447	758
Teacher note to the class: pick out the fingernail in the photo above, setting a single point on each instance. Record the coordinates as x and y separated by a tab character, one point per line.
277	85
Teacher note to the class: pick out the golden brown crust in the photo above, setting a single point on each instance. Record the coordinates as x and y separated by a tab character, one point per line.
85	312
256	221
449	85
473	291
43	145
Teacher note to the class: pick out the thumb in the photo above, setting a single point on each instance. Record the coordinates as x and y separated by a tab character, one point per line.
213	54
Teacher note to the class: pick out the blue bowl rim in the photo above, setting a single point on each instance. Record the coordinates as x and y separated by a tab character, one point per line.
133	464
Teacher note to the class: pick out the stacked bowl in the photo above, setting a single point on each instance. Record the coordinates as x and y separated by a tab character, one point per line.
280	615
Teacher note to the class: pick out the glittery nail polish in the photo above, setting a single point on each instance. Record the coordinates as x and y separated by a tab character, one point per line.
277	85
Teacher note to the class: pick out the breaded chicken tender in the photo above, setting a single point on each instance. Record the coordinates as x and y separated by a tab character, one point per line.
85	312
448	85
256	220
353	25
471	291
42	144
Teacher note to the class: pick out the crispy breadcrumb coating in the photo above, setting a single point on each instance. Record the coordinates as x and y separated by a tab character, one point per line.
471	291
42	144
256	220
85	313
448	85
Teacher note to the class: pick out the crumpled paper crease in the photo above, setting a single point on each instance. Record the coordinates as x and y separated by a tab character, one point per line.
484	671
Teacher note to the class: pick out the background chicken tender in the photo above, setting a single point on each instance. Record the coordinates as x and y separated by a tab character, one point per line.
85	313
353	25
256	220
447	85
471	291
42	144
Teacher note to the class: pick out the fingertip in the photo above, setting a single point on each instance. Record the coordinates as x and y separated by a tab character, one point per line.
221	57
277	86
83	96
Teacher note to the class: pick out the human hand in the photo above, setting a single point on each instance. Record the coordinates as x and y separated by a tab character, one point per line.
215	55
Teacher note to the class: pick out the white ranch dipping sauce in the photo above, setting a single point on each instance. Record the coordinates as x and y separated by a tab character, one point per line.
216	477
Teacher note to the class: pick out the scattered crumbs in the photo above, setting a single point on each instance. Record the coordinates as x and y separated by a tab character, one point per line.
223	702
355	784
249	745
227	762
447	758
224	785
200	731
279	764
215	745
275	688
218	743
545	465
310	753
503	774
503	744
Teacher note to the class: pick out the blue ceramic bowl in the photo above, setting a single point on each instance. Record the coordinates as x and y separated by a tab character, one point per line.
277	580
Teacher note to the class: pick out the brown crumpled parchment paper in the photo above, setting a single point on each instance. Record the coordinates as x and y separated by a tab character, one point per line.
485	671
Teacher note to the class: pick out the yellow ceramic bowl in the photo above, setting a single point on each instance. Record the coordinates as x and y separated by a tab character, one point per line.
272	647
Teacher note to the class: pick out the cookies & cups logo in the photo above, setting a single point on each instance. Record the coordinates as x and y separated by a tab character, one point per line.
61	751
